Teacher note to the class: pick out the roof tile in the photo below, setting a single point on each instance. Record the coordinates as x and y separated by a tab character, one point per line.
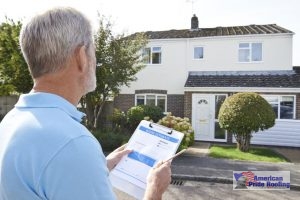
281	78
218	31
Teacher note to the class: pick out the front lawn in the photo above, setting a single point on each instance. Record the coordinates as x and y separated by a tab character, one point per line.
254	154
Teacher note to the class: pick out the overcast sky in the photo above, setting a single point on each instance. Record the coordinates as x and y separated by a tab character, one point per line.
144	15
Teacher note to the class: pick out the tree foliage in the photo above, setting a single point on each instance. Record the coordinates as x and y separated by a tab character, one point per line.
118	61
14	73
244	113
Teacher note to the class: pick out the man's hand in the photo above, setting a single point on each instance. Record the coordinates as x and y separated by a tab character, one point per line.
158	181
114	157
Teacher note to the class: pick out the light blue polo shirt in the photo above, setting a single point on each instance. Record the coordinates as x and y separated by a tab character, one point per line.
45	153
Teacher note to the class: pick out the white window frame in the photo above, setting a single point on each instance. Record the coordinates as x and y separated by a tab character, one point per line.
216	120
250	48
153	94
202	52
279	97
150	59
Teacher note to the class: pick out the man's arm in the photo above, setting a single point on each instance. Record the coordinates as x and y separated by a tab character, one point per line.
114	157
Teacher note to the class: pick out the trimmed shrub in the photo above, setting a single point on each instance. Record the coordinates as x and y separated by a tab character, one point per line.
134	116
154	113
244	113
182	125
142	112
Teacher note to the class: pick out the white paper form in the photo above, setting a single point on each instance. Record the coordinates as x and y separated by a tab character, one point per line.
150	143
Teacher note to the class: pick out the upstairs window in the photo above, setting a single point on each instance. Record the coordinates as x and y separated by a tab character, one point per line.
198	53
152	55
250	52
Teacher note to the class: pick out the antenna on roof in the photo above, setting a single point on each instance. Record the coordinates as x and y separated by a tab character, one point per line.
192	3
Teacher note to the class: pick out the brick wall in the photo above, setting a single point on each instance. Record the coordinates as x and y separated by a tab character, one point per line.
124	101
188	105
7	103
175	104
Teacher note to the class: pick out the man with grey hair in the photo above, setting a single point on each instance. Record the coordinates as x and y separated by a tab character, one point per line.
45	152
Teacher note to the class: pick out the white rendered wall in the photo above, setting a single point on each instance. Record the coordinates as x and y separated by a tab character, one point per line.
170	75
220	54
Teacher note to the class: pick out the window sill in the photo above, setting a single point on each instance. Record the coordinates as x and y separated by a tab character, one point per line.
252	62
154	64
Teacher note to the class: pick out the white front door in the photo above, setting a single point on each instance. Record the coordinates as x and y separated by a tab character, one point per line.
204	117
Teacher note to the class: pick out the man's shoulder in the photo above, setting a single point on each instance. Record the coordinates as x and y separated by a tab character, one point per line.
48	122
34	130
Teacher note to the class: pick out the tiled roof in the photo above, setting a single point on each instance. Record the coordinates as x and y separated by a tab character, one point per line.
274	79
218	31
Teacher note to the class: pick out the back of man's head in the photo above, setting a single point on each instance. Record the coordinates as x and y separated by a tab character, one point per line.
49	39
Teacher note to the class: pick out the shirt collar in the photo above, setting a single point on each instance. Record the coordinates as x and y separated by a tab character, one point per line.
48	100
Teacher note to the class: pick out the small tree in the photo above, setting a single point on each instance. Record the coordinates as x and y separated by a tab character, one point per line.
244	113
118	61
14	73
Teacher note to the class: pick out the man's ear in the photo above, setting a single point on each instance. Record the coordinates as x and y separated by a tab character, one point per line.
82	59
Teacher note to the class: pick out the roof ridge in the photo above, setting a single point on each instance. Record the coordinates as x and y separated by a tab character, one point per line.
252	29
265	72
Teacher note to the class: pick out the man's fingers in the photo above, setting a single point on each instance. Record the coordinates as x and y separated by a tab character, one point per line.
158	164
161	164
125	152
168	163
121	147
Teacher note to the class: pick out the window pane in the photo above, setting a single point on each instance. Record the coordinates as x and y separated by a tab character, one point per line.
198	53
256	52
140	100
244	55
219	99
156	49
161	102
146	55
287	107
244	45
150	100
273	101
156	58
219	132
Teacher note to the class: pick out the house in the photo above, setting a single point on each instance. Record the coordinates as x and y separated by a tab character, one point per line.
190	72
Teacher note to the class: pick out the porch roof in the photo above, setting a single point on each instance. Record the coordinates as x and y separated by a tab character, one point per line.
257	79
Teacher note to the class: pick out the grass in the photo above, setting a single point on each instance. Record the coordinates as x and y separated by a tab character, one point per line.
254	154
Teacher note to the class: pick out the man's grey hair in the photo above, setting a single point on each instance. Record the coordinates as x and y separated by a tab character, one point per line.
48	40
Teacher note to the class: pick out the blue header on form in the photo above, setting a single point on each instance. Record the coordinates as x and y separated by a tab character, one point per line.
158	134
142	158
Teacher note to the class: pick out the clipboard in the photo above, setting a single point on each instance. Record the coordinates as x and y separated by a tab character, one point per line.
151	143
